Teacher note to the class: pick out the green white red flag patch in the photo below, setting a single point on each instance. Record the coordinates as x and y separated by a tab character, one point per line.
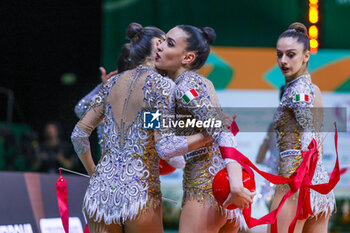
190	95
302	98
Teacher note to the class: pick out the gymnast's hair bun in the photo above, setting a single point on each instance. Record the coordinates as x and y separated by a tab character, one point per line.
209	34
298	27
133	31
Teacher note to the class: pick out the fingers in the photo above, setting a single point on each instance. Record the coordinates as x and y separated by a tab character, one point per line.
113	73
103	74
249	195
241	203
109	75
245	204
244	207
226	202
242	200
227	120
234	117
253	194
103	71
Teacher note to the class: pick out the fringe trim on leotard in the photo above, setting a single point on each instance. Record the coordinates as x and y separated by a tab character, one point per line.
206	197
129	211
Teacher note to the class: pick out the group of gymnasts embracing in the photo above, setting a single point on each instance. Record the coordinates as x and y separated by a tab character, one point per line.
157	72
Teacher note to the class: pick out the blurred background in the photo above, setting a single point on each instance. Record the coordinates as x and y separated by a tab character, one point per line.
51	52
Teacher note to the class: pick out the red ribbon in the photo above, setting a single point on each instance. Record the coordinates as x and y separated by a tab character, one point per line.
62	200
234	128
300	180
342	171
86	230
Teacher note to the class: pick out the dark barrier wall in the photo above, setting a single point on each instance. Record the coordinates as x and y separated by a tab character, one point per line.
28	197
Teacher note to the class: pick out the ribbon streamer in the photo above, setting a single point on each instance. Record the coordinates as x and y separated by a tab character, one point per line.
86	230
62	201
234	128
300	180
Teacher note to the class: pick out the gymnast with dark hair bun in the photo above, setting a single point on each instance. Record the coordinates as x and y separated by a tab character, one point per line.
123	194
297	121
184	51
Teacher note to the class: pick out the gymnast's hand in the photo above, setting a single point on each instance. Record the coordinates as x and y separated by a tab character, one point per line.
227	120
104	76
239	195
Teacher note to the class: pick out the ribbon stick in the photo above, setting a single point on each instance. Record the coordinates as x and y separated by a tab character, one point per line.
74	172
62	201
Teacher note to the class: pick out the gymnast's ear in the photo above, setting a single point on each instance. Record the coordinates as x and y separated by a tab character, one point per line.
189	58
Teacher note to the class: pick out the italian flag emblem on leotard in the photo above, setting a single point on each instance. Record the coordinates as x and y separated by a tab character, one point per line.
190	95
301	98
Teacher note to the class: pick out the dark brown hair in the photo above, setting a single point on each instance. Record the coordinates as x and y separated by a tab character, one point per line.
299	31
198	40
124	60
141	41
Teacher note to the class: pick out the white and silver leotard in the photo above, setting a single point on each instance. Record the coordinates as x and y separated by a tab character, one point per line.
297	122
125	183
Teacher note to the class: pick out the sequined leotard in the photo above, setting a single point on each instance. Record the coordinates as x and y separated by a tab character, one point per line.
196	98
297	123
125	183
84	104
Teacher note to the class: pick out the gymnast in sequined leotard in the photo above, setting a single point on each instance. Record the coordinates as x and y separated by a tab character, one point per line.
185	50
123	194
297	121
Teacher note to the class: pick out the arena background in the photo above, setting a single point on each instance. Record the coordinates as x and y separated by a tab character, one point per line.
51	51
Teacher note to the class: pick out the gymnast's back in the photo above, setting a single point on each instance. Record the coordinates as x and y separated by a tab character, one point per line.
126	179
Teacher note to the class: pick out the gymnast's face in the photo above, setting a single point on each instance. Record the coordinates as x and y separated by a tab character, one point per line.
291	57
156	41
172	52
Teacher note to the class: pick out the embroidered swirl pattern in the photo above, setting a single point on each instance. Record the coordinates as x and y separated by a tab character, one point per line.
126	180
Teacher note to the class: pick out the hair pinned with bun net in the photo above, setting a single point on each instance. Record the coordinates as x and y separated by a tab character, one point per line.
133	31
141	42
198	40
209	34
298	27
297	30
